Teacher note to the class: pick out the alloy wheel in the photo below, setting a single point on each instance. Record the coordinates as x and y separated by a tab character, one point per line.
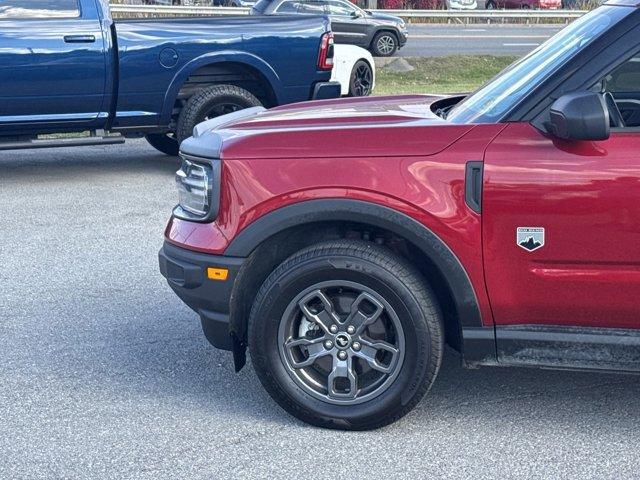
386	44
341	342
362	81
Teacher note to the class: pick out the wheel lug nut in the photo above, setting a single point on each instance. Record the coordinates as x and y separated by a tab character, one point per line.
328	344
333	329
342	355
356	346
351	329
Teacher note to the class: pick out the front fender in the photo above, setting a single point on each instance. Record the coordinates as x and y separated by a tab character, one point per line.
225	56
341	209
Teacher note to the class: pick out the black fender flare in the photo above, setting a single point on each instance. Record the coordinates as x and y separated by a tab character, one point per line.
346	210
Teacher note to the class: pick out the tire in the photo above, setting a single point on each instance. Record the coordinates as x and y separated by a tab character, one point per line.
384	44
490	5
165	143
210	103
407	335
361	80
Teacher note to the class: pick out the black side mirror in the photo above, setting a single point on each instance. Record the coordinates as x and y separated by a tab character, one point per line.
580	116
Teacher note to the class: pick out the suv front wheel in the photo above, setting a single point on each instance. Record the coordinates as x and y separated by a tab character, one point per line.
346	334
384	44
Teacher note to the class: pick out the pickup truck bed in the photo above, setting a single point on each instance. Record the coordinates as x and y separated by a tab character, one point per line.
83	71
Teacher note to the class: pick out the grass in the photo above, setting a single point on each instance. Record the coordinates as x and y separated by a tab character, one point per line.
450	74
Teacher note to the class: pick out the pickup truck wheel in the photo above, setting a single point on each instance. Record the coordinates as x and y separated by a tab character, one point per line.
346	335
210	103
384	44
164	142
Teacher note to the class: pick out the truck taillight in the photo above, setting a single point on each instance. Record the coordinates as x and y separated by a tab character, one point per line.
325	57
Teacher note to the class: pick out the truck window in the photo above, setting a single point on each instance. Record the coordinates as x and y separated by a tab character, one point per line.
39	9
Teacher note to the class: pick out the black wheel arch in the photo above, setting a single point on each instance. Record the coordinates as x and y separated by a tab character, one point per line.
304	223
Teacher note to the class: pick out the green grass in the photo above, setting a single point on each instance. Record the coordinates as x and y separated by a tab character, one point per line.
451	74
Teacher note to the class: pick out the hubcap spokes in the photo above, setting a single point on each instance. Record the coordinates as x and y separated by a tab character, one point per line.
357	343
362	81
386	44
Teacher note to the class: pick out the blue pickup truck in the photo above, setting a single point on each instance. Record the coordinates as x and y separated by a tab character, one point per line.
67	67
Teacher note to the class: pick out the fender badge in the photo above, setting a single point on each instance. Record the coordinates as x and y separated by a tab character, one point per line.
530	238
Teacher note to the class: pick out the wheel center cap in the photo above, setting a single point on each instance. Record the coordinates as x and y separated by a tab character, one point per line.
343	341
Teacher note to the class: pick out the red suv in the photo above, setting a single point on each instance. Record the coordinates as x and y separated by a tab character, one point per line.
346	241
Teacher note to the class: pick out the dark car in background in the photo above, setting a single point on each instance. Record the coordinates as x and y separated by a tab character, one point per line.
379	33
525	4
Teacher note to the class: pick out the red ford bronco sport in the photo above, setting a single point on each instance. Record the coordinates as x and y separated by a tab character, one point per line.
344	242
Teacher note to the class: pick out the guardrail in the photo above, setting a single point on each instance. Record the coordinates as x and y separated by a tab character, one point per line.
488	15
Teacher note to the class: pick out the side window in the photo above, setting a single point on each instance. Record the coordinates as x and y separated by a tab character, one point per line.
624	84
287	8
335	7
311	8
625	78
39	9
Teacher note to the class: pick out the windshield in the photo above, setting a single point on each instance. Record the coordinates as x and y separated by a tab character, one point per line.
492	101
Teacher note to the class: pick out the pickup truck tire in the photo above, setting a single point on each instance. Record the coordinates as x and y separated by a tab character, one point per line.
164	142
346	335
212	102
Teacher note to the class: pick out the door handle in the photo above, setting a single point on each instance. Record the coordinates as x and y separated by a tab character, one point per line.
79	39
473	186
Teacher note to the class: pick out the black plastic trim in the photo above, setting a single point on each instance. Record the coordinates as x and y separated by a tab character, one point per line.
326	90
473	185
314	211
582	348
479	346
185	271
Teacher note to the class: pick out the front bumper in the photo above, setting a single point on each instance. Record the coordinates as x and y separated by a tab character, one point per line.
403	37
186	273
326	91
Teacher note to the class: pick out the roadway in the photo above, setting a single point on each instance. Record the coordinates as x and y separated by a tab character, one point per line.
437	40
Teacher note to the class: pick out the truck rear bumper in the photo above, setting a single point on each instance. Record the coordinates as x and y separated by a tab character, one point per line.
186	272
326	90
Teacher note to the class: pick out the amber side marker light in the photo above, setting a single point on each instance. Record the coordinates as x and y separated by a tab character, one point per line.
217	273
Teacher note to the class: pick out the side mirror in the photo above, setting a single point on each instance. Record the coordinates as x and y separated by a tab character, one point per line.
580	116
356	14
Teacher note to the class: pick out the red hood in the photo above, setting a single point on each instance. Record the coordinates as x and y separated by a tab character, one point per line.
371	126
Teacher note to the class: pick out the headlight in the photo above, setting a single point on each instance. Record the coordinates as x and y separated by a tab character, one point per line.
197	200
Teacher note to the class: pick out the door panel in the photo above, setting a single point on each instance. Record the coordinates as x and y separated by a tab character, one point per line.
47	78
345	27
586	195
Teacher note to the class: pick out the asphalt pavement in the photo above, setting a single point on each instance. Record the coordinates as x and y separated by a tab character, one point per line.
427	40
104	373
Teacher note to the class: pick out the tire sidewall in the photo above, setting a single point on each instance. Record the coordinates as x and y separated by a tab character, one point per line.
204	101
266	356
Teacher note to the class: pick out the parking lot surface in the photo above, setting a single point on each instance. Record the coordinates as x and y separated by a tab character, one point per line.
104	373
